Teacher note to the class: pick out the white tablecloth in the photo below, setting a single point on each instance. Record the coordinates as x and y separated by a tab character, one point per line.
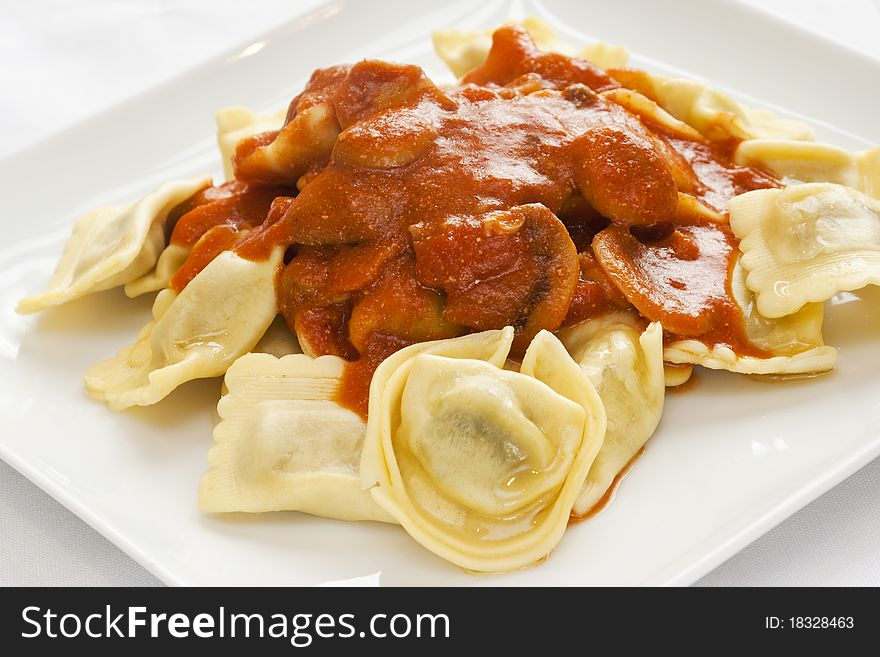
63	61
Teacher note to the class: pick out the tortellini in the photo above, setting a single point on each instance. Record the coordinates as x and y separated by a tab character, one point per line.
794	342
482	465
111	246
800	161
464	50
713	113
218	317
625	364
236	123
805	243
283	444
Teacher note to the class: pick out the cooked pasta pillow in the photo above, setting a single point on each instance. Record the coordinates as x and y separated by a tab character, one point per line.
652	112
308	137
464	50
480	464
676	375
112	246
794	344
710	111
171	259
801	161
278	340
805	243
713	113
236	123
625	364
197	334
283	444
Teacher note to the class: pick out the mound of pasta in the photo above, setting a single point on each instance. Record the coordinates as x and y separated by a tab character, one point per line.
457	309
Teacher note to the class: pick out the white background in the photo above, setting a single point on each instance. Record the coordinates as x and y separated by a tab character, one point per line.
62	61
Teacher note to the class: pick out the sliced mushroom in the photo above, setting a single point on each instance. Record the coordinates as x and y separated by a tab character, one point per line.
516	267
679	280
622	175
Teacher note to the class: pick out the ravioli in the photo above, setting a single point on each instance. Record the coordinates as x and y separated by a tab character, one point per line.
811	162
625	364
278	340
805	243
710	111
236	123
676	375
197	334
713	113
283	444
464	50
307	138
171	259
111	246
479	464
793	344
651	112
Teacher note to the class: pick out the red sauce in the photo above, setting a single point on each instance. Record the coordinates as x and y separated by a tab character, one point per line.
218	219
521	198
235	204
214	242
354	389
458	208
590	299
259	243
325	328
514	55
717	179
251	143
595	293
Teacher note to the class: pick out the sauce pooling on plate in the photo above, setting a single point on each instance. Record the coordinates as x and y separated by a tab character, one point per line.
522	197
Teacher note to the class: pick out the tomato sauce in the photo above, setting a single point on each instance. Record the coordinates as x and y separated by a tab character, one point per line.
215	241
354	389
235	204
218	219
522	197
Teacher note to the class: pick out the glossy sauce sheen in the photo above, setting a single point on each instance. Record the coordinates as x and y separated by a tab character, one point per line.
216	219
520	198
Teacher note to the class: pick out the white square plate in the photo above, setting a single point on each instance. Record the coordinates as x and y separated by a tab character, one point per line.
733	455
